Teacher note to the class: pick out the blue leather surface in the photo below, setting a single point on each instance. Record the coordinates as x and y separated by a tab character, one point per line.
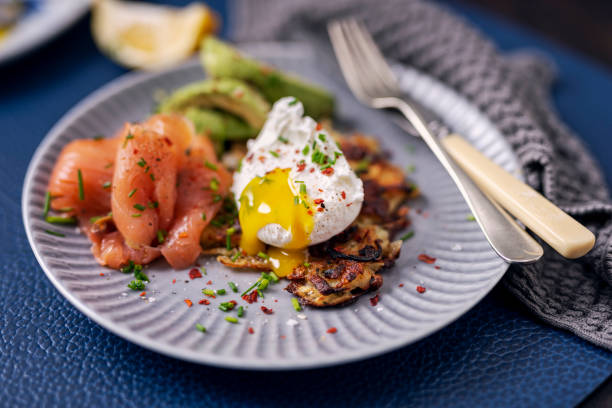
51	355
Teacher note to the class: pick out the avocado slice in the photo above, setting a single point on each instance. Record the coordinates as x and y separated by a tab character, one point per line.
223	61
227	94
219	125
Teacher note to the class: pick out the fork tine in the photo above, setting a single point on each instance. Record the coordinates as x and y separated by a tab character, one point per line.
346	60
372	53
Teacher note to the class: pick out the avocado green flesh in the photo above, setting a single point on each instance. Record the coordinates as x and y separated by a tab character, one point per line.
222	61
219	125
228	94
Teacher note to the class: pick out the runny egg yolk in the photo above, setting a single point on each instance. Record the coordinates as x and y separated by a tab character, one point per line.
276	199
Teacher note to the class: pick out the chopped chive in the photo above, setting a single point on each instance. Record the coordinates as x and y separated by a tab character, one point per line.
152	204
200	328
302	188
305	150
231	319
362	165
327	166
204	216
161	236
129	268
136	285
147	169
141	162
410	148
61	220
106	185
250	288
263	255
139	207
108	165
263	284
152	176
470	217
136	215
293	102
139	274
273	153
264	275
410	169
210	165
322	137
273	277
233	286
296	200
240	312
407	235
337	154
296	305
132	192
214	184
81	190
208	292
305	205
203	270
235	256
283	139
306	264
239	166
217	198
66	209
260	294
98	137
221	291
57	234
128	137
47	204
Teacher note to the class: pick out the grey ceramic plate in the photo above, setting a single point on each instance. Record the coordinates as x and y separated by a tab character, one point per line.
465	270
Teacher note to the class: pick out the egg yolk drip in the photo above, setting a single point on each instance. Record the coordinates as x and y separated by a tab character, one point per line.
276	199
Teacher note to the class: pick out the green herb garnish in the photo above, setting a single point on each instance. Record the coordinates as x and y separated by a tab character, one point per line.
273	277
141	162
221	291
296	305
233	287
161	236
132	193
322	137
217	198
210	165
231	319
139	207
470	217
60	220
80	180
302	188
208	292
136	285
200	328
57	234
240	312
263	255
293	102
283	139
407	235
106	185
128	137
235	256
305	150
214	184
136	215
263	284
273	153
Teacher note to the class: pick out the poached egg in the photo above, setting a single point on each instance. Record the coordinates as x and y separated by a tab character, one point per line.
294	188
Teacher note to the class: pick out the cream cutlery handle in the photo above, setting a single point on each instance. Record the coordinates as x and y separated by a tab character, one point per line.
568	237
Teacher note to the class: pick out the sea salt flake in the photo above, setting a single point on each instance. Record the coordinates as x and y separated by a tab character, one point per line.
456	247
292	322
302	316
380	309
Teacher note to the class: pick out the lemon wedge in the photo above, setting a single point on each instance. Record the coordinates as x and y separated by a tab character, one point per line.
148	36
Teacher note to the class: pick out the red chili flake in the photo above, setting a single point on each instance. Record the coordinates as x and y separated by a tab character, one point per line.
343	194
320	190
318	200
426	258
297	151
173	281
312	170
195	273
168	141
101	273
135	151
436	267
401	285
349	204
320	209
309	212
283	337
251	331
204	302
374	300
262	159
328	171
275	300
301	166
251	297
332	330
249	157
267	310
421	289
209	282
319	126
143	293
189	302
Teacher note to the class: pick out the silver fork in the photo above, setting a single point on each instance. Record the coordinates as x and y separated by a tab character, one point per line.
373	83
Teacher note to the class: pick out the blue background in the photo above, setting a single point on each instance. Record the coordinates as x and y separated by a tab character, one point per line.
50	354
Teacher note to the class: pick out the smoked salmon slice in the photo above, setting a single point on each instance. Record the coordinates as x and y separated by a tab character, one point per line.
149	191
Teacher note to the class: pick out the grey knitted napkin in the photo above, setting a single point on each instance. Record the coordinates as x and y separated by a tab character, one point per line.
513	91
